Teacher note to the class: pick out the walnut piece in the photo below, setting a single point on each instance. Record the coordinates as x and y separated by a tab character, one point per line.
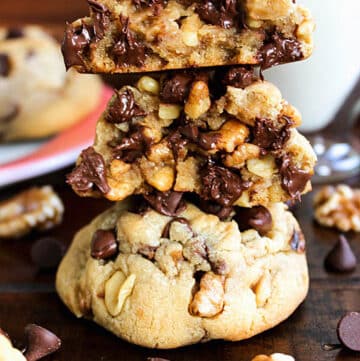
35	208
8	352
338	207
209	300
273	357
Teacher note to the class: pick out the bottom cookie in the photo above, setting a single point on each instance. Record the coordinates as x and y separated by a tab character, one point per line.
166	282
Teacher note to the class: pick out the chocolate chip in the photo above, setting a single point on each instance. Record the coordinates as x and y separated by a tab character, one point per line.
293	179
341	258
103	244
177	144
132	147
221	185
127	50
15	33
215	208
348	331
258	218
206	141
278	50
123	108
46	253
75	43
101	18
167	203
165	233
175	88
91	171
297	241
224	13
268	137
239	77
41	342
5	65
156	5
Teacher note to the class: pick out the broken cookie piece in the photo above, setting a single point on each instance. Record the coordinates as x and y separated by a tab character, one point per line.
140	36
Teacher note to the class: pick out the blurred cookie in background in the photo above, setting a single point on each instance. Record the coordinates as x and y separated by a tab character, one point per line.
38	97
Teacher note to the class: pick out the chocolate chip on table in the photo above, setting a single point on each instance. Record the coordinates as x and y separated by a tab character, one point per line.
278	50
293	179
297	241
5	65
75	43
47	252
257	217
123	108
15	33
221	185
167	203
91	171
127	50
348	331
103	244
341	258
41	342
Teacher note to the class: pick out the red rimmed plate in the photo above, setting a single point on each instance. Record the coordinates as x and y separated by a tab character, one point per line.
26	160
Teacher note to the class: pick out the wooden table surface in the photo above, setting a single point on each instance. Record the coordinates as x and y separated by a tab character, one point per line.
27	295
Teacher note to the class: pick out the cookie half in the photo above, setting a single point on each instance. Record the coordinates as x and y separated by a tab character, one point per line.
152	35
223	134
165	282
37	97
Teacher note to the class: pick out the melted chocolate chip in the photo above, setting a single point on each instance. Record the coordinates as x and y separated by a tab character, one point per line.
132	147
127	50
103	244
75	43
165	233
278	50
41	342
156	5
101	18
224	13
176	88
348	331
293	179
177	144
5	65
206	141
167	203
341	258
90	172
239	77
15	33
268	137
216	209
221	185
297	241
258	218
123	108
46	253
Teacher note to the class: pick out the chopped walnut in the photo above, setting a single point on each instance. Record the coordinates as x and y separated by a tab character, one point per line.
338	207
209	300
273	357
35	208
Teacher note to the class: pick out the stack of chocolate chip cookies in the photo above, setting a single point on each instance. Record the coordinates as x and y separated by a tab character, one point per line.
199	153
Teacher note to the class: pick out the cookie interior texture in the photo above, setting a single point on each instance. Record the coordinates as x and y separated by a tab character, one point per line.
151	35
37	97
221	133
175	281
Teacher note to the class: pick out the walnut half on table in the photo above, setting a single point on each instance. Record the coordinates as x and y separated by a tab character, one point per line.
339	207
36	208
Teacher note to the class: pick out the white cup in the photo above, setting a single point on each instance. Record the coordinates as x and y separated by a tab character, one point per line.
319	85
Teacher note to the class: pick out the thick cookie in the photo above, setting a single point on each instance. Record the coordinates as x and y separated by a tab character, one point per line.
152	35
165	282
225	135
37	97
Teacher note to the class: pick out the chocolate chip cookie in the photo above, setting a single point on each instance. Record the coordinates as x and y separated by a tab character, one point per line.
37	97
223	134
166	281
152	35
